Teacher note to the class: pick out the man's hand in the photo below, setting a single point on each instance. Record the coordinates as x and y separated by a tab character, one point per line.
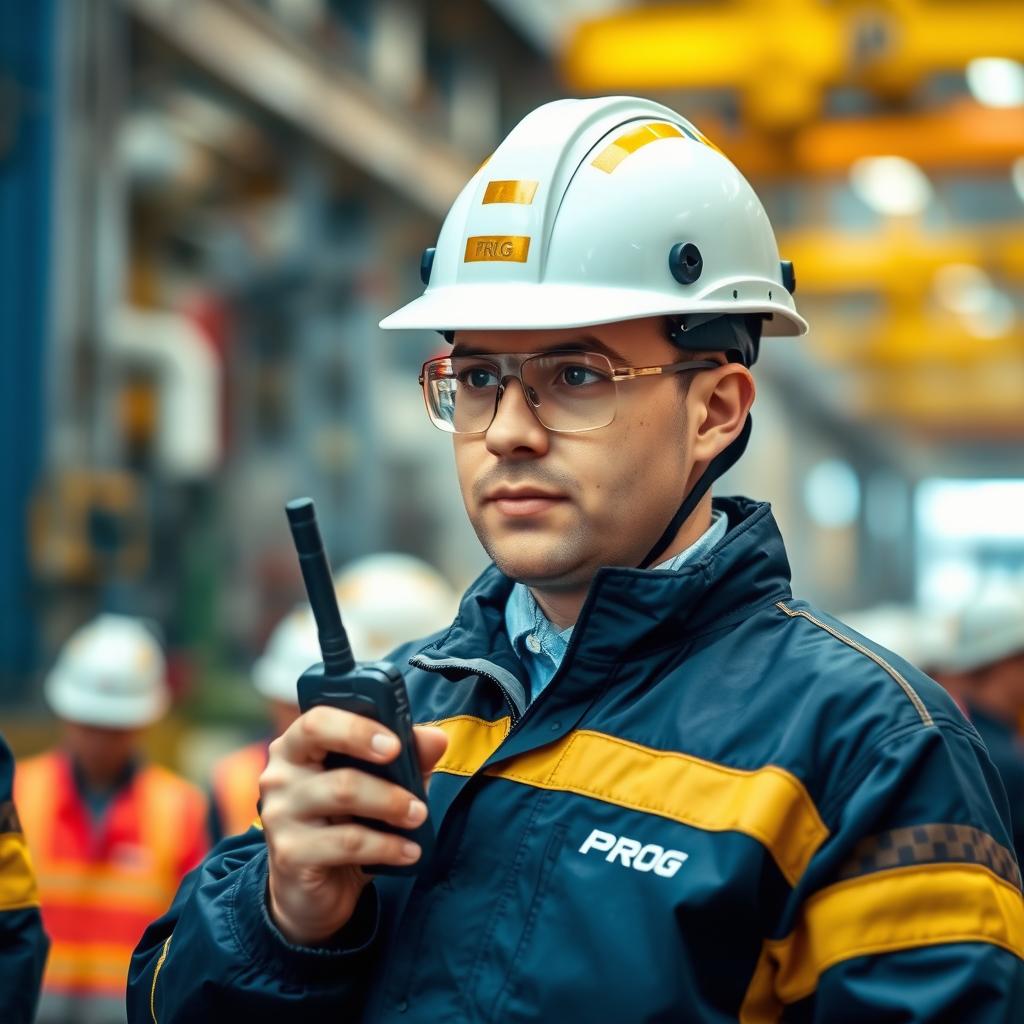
315	849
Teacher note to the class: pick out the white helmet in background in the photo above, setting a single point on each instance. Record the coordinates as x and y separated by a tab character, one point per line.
599	210
110	673
291	649
388	599
893	626
922	638
989	629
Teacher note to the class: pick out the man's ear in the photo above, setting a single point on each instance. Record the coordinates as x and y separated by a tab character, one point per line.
717	404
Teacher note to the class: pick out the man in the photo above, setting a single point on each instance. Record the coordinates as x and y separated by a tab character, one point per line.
386	599
111	836
984	673
676	794
23	943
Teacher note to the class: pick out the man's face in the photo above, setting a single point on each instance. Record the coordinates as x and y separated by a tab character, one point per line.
1005	680
551	508
102	753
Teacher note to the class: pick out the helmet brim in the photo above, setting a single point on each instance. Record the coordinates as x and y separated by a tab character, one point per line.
969	656
504	307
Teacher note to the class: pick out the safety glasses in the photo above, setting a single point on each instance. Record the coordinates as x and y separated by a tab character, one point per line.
568	391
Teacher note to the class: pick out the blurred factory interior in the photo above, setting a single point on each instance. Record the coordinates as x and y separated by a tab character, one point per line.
207	205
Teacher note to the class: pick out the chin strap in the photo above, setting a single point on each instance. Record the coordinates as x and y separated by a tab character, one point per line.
718	465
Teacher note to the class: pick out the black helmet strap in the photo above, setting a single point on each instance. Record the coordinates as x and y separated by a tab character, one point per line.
740	337
719	464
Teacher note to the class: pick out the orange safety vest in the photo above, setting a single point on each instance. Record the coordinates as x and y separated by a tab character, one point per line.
101	885
236	787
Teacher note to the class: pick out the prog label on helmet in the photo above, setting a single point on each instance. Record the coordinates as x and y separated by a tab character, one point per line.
506	248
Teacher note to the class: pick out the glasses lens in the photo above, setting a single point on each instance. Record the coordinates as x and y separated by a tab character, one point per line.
461	393
570	390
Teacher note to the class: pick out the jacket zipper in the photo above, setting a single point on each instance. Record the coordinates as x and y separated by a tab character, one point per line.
514	711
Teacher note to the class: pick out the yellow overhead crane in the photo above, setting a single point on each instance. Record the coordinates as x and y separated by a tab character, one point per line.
916	360
782	55
962	136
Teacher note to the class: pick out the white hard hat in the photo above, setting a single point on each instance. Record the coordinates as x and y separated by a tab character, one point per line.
892	626
917	636
989	629
600	210
292	648
110	673
387	599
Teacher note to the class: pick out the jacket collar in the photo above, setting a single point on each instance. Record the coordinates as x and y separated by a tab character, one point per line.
638	609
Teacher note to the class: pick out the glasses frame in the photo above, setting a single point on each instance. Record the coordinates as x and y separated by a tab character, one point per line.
510	365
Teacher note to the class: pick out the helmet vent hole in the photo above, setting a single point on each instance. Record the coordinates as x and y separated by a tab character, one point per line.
685	262
769	296
735	294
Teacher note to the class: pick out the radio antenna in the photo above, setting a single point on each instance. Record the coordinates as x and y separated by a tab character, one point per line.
316	572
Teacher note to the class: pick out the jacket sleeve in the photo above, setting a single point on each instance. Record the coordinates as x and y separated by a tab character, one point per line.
216	955
912	909
23	943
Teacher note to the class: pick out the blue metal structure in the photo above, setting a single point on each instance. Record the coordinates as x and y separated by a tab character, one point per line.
27	117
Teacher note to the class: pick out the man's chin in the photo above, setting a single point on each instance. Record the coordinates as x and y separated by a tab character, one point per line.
540	565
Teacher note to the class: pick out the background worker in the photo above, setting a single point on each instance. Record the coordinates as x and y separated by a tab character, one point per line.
23	943
662	787
111	836
390	598
984	672
386	599
291	648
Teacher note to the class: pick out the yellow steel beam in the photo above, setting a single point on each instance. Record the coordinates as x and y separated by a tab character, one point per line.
965	136
984	403
782	54
919	340
899	259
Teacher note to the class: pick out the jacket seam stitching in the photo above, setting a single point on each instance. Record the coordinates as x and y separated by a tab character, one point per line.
156	974
553	774
904	685
504	897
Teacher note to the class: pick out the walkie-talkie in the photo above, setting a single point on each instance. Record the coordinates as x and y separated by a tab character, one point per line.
374	689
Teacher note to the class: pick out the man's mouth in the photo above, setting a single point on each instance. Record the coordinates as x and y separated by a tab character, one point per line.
523	501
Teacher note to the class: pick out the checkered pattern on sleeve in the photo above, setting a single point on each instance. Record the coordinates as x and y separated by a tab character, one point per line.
928	844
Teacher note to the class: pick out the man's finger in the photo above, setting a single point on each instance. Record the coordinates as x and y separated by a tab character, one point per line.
340	845
348	792
323	730
431	743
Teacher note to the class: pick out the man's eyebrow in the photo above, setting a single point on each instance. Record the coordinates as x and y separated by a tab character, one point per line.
585	343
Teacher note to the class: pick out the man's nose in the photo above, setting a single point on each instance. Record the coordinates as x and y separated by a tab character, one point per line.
515	430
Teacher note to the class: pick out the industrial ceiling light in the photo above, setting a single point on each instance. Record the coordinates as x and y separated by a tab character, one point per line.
996	81
1017	176
963	288
832	494
996	320
891	185
968	291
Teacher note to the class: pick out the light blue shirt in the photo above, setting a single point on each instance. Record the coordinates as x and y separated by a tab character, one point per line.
541	646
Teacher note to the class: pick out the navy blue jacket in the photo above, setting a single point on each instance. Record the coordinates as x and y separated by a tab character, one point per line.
726	805
23	943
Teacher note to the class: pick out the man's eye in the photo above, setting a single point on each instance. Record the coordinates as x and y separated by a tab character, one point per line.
479	377
577	376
